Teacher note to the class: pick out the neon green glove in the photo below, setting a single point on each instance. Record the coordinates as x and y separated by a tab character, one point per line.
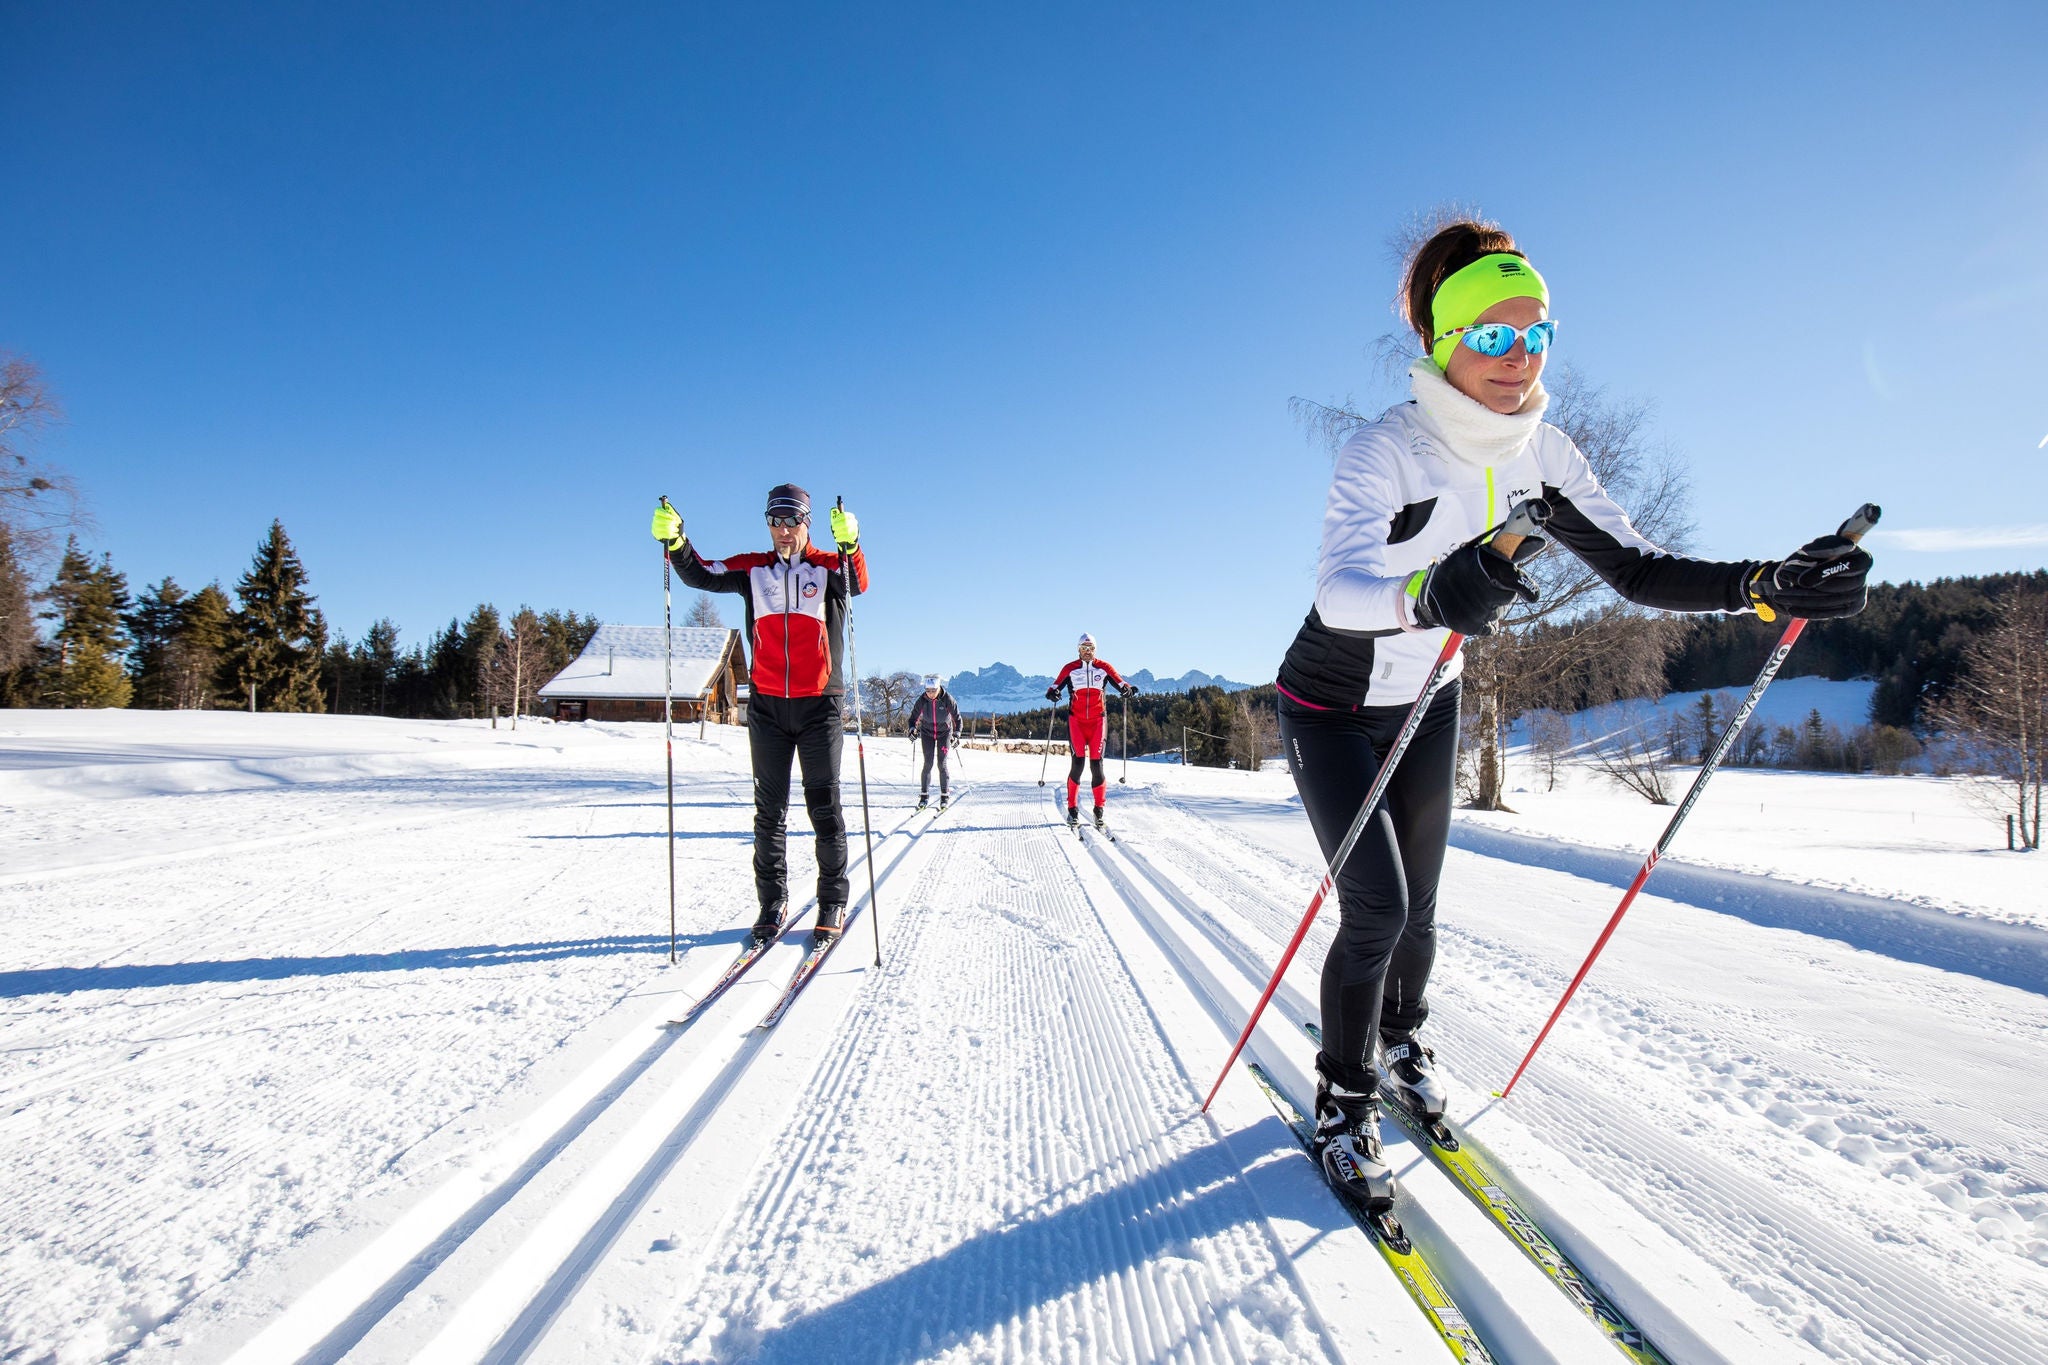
668	527
845	528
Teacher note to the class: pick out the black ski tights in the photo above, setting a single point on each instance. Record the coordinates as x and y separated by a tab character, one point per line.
1377	973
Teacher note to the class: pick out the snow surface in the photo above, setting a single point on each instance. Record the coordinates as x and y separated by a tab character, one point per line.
330	1037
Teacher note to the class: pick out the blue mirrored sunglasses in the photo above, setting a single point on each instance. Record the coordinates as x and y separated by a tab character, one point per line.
1497	338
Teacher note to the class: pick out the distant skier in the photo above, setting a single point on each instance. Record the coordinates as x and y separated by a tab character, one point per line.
1087	722
1404	561
796	599
934	723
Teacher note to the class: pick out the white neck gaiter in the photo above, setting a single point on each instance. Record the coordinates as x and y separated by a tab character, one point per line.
1468	429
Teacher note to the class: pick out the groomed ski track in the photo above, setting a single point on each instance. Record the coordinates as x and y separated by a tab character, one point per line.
986	1150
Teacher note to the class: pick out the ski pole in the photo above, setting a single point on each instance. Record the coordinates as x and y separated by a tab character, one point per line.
1854	528
668	731
1045	755
1125	780
860	744
1525	520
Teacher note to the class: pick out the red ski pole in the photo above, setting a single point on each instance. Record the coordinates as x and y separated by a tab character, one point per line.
1525	520
1854	528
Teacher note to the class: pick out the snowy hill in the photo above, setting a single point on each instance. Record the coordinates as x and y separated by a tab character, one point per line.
332	1037
1001	689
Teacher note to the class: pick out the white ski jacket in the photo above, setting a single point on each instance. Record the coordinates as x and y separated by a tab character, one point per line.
1401	499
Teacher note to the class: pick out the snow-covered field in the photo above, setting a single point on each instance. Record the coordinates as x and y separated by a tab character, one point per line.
334	1037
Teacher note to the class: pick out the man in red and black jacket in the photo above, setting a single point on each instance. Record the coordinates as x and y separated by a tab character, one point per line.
796	630
1087	721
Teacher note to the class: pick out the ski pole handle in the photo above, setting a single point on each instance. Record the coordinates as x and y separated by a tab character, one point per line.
1525	519
1860	521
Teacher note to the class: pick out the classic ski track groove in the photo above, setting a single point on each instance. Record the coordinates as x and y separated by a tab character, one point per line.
613	1097
1115	860
1900	1316
1098	1127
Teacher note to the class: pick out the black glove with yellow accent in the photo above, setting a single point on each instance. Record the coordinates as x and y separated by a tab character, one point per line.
1824	579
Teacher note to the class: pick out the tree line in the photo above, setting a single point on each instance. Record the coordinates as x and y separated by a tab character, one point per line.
1219	729
265	647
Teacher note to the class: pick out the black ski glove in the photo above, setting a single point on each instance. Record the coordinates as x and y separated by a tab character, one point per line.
1130	689
1471	587
1823	579
1052	694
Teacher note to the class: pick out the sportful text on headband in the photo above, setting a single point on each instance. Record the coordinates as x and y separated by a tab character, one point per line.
1471	291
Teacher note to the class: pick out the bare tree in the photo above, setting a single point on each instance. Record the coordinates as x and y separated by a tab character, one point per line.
1257	729
1550	740
703	612
889	697
36	501
1997	712
1634	755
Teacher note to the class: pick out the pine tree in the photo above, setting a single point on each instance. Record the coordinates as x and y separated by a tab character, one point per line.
80	664
280	634
376	662
482	636
206	637
17	622
154	626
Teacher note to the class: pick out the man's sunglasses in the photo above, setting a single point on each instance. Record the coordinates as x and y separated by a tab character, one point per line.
1497	338
788	521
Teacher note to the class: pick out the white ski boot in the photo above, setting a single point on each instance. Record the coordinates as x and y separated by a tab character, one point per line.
1408	1077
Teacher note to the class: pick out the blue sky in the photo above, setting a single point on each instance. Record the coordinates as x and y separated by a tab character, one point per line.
455	291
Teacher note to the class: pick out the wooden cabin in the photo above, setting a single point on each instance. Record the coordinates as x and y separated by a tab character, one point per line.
618	676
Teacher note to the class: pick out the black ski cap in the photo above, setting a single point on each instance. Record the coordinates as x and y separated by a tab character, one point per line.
787	500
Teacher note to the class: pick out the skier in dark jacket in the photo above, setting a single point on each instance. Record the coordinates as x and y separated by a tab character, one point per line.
796	600
1413	501
934	723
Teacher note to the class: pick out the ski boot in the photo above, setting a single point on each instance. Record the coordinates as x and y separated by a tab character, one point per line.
1408	1076
943	799
830	917
924	799
1348	1144
1099	824
768	926
1073	817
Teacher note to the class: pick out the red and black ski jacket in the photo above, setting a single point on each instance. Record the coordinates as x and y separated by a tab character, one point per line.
796	613
1085	678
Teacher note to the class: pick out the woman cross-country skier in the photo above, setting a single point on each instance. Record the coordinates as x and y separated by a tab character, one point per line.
935	723
1404	561
796	630
1087	722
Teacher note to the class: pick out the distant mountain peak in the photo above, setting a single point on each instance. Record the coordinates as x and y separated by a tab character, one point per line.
1001	688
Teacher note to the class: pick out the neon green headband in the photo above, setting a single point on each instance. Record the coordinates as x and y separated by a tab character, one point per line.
1471	291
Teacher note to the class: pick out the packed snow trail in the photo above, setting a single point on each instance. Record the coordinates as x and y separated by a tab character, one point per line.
280	991
1836	1051
997	1159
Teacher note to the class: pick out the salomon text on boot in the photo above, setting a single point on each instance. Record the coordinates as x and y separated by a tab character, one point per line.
1348	1143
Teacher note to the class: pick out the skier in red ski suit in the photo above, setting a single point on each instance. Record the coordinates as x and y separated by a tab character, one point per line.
1087	721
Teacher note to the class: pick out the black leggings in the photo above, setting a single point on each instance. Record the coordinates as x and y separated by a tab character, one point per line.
931	747
1377	974
807	729
1095	773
